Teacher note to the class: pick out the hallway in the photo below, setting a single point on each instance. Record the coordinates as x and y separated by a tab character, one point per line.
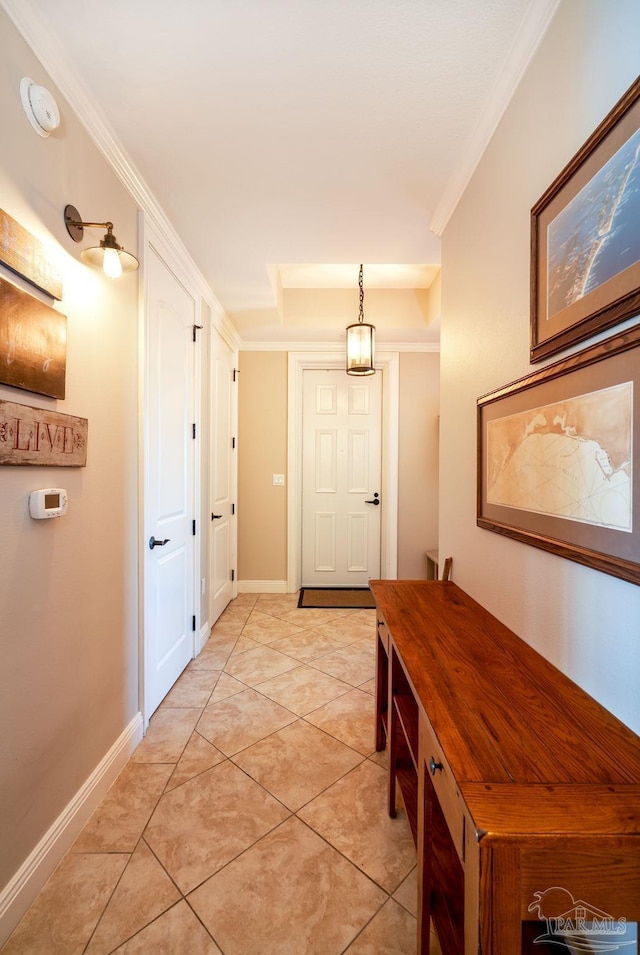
251	819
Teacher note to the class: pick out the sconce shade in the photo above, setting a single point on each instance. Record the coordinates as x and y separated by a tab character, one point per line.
108	256
361	341
112	261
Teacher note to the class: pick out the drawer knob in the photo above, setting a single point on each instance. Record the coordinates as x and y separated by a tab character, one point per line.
433	766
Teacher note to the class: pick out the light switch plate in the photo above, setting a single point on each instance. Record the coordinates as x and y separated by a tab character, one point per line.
278	479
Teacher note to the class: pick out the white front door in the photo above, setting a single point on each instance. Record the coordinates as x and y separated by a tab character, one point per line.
223	467
169	480
341	478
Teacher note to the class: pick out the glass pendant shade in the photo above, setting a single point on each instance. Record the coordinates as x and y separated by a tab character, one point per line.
361	341
113	261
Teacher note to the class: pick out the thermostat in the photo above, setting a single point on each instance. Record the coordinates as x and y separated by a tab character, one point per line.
48	502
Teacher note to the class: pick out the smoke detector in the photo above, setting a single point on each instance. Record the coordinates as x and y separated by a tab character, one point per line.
40	106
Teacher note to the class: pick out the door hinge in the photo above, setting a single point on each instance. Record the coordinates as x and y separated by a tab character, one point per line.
193	623
233	509
193	527
195	329
233	575
233	442
236	372
193	430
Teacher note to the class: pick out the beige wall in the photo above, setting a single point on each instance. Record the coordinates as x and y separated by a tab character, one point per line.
417	461
262	510
583	621
262	452
68	617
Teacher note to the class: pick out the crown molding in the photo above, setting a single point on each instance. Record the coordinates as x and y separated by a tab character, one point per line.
536	21
337	347
29	23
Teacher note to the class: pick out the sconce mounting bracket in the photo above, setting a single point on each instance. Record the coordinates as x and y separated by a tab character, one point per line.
71	216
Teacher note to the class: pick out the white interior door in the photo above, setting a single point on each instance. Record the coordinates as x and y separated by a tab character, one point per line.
169	480
341	478
223	467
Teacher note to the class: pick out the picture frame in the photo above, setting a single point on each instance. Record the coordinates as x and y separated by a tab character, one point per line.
559	458
26	256
40	436
585	241
33	343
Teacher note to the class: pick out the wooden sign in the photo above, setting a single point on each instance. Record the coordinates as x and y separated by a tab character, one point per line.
33	343
27	256
36	436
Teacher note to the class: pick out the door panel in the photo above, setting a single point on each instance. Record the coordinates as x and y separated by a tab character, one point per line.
341	470
169	480
326	462
357	543
358	462
325	544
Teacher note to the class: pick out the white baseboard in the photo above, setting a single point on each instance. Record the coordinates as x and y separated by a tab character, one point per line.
21	890
203	636
262	586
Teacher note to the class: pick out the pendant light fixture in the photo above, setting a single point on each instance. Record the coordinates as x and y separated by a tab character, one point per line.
361	341
108	256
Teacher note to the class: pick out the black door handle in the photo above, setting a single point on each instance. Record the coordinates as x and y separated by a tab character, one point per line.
154	543
216	517
375	500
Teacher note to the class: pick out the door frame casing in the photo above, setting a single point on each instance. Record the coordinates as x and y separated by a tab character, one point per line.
389	364
233	490
152	239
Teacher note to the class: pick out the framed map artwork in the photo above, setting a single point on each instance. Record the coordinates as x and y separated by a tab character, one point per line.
585	239
559	458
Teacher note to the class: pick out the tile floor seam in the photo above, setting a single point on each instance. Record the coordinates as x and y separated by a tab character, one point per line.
344	856
123	941
241	853
356	937
294	812
350	861
351	714
156	918
106	905
284	706
161	864
210	934
184	895
267	791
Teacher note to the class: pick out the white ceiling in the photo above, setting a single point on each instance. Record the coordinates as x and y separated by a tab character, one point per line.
278	135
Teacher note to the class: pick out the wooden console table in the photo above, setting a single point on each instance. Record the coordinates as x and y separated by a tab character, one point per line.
522	792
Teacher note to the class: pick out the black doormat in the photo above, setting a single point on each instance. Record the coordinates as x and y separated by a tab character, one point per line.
336	598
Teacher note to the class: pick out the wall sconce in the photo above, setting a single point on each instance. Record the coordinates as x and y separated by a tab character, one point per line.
361	340
108	256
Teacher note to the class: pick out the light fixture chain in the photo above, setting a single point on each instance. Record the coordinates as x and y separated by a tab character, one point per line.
361	312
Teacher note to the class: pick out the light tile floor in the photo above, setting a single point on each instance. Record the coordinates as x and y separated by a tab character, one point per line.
251	820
